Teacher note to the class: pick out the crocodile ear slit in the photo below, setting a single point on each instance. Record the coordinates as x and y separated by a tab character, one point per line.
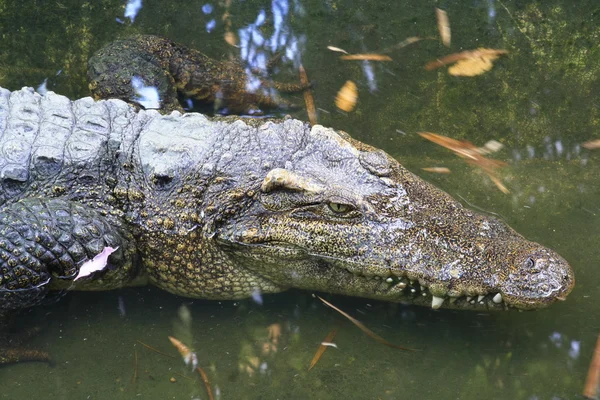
283	178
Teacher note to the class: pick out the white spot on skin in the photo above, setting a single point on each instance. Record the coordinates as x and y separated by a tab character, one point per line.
98	263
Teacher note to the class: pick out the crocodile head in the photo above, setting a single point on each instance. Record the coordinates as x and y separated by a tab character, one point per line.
346	218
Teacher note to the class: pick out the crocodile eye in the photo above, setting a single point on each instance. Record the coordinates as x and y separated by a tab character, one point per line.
339	208
529	263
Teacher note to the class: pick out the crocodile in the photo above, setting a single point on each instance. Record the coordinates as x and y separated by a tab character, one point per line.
123	67
231	208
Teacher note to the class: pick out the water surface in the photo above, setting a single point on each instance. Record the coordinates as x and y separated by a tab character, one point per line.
541	101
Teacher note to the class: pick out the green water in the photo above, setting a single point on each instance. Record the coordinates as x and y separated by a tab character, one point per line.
541	102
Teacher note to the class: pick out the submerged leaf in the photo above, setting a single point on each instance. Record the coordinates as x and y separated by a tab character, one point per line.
323	347
402	44
347	96
592	380
437	170
311	110
471	67
189	357
230	38
592	144
206	383
443	26
371	57
337	49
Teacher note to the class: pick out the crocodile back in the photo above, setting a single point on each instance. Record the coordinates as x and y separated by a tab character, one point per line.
51	146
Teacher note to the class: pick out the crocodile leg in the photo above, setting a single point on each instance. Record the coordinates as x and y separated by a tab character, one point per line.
43	243
12	350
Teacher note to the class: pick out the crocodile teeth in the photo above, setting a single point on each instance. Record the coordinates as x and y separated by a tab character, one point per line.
453	300
436	302
497	298
469	298
389	280
480	298
401	285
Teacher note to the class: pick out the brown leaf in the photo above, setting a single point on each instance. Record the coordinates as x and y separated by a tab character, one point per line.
462	148
437	170
206	383
364	328
322	347
311	110
372	57
593	377
402	44
230	38
443	24
189	357
498	183
473	155
347	96
490	54
592	144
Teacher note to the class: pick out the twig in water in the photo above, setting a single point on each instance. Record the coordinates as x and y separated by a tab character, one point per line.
364	328
135	367
154	350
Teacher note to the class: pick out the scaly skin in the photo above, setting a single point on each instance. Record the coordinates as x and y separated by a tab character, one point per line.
224	208
172	68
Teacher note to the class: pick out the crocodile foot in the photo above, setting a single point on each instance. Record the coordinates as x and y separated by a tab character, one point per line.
12	351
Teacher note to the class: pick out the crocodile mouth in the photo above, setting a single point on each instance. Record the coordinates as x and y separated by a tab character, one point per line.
413	292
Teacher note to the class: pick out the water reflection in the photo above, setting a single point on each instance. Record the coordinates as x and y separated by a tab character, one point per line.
132	9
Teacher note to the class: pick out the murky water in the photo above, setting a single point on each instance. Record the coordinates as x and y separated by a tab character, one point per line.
541	101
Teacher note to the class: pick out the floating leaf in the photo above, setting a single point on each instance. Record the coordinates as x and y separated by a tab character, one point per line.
480	59
461	147
364	328
438	170
333	48
347	96
371	57
98	263
308	97
323	347
473	154
443	24
592	144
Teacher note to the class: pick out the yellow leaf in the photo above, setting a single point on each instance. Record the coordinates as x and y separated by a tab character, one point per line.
347	96
471	67
443	26
437	170
230	38
592	144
